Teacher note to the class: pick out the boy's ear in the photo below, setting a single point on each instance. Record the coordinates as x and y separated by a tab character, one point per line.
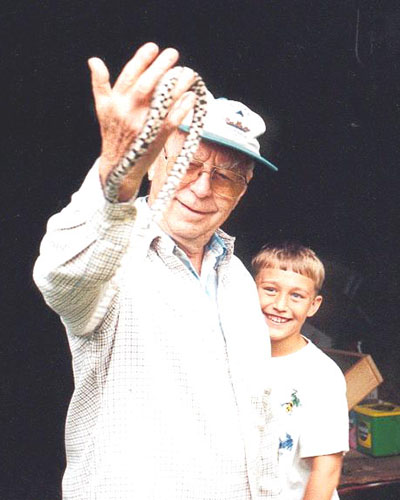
315	304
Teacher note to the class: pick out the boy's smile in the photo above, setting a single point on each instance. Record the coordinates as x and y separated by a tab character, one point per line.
287	299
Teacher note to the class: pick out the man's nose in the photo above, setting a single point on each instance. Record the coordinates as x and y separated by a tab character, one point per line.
202	185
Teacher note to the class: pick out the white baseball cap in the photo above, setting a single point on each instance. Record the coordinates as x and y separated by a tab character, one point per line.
234	125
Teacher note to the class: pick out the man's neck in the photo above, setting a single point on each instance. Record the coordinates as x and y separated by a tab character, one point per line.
194	248
194	253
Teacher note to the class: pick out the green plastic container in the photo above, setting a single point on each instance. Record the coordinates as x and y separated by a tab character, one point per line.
378	429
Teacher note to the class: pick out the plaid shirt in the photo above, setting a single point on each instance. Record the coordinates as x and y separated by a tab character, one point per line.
171	400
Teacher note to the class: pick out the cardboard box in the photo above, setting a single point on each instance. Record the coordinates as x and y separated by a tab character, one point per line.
361	373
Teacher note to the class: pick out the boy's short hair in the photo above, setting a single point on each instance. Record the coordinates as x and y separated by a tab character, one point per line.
290	256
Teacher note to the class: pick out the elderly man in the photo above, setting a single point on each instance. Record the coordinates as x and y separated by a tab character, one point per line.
170	352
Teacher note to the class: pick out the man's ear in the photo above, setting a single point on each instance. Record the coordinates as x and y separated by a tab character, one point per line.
315	305
249	174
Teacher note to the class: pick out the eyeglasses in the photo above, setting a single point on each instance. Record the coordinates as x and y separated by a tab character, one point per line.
224	181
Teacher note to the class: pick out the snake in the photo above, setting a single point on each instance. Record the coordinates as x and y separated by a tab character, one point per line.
160	103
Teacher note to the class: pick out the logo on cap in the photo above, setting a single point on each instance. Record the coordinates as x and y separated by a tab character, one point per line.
237	124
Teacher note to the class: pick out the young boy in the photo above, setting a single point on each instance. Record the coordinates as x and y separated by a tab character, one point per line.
309	387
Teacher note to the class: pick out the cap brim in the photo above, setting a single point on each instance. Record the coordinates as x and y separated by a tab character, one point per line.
234	145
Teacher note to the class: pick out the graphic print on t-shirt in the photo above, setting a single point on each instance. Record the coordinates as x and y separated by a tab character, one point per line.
286	441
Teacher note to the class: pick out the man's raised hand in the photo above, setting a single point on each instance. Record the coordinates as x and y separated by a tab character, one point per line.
122	109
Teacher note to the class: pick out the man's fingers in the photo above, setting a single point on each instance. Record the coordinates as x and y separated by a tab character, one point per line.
175	117
142	59
148	80
185	79
180	109
100	79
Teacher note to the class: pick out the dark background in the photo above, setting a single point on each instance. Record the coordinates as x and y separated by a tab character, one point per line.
325	76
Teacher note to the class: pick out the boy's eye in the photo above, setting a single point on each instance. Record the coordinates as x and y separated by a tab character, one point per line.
296	295
269	289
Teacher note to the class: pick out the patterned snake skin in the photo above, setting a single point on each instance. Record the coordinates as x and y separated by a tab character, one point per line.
159	107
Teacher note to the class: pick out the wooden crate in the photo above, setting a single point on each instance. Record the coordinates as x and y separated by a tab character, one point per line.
361	373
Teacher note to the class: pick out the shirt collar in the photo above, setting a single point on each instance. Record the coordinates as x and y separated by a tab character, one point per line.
216	247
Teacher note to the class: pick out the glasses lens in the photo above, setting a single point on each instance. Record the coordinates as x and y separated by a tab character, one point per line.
226	183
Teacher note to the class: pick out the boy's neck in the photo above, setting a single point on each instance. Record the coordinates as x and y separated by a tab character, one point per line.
287	346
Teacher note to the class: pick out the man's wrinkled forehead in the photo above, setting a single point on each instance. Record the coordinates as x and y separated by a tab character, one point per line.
214	153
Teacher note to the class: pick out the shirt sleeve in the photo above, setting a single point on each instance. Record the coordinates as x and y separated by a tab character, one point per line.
324	426
80	254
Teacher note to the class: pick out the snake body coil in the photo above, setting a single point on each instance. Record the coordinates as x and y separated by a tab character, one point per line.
159	107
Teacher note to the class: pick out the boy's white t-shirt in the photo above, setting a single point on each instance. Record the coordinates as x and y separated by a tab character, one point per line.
310	391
